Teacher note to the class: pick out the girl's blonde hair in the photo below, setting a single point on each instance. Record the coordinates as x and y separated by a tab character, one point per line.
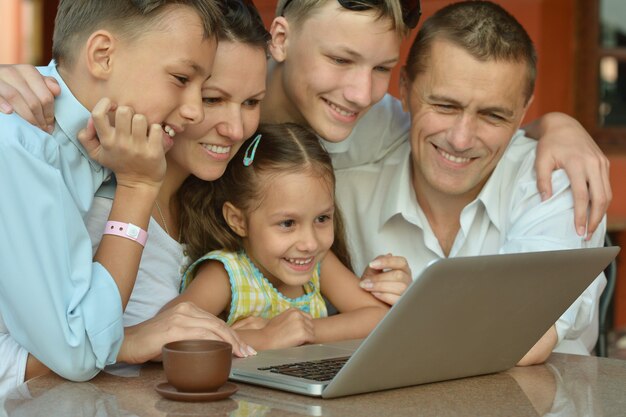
283	148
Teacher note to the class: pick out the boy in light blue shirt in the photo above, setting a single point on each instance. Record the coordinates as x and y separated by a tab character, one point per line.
149	59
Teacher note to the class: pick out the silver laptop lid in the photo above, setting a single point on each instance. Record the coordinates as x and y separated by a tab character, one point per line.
469	316
461	317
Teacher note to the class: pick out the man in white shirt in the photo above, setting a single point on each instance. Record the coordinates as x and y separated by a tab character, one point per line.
465	183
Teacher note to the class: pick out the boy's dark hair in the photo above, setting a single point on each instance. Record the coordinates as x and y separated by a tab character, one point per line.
242	23
283	148
483	29
77	19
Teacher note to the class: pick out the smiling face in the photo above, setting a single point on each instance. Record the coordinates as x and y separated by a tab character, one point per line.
232	109
335	66
292	229
160	73
463	115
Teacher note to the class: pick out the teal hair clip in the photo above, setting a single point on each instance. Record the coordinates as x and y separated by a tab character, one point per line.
249	155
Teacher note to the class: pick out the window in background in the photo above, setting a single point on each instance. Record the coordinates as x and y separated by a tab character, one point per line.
612	108
20	31
601	90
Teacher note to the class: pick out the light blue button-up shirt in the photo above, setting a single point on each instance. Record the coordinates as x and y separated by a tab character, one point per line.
55	302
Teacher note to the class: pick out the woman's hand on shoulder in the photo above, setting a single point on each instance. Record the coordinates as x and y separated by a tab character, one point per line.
143	341
28	93
387	277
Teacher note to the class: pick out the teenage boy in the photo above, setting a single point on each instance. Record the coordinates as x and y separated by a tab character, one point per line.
149	58
464	183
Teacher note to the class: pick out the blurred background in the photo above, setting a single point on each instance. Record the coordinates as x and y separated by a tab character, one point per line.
582	72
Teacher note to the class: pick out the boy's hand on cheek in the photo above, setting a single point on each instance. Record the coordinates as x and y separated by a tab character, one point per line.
387	277
130	148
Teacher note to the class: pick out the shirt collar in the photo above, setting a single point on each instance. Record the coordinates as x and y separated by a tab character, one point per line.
70	115
489	196
336	147
396	190
399	195
490	199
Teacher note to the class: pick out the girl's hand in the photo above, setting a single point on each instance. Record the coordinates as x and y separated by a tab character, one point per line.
143	342
250	323
290	328
131	149
387	277
31	95
566	144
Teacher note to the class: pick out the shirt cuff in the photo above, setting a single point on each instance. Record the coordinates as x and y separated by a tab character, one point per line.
103	315
22	358
12	364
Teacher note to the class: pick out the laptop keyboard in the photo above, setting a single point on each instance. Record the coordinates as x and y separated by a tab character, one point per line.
320	370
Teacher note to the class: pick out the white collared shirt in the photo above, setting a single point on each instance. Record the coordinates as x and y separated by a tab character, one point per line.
382	216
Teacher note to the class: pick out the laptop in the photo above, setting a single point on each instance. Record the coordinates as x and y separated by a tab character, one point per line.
461	317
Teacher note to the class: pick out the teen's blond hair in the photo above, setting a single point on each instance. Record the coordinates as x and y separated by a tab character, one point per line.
298	11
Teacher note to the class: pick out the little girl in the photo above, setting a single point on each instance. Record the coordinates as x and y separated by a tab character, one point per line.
275	245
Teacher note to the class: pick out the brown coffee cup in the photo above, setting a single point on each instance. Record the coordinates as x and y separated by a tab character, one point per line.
197	365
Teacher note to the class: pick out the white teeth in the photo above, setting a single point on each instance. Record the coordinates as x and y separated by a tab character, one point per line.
452	158
299	261
169	130
216	149
341	111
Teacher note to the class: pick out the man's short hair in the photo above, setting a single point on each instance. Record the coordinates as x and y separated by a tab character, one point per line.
482	28
76	20
299	10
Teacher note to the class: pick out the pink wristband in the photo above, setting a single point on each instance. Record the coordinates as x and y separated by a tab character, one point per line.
127	230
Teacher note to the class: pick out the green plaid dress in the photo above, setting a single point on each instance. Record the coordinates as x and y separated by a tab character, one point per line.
253	295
